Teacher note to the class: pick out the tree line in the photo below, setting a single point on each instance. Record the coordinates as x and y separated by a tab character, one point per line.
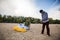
21	19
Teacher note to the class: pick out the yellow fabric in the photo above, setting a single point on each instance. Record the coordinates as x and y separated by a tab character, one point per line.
16	28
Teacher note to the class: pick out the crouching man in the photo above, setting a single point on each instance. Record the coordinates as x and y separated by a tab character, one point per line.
27	24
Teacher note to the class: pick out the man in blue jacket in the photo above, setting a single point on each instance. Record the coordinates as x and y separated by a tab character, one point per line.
45	22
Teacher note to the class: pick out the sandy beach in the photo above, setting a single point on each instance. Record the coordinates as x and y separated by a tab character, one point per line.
7	32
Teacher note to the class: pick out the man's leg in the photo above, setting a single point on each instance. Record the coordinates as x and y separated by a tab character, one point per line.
48	30
43	27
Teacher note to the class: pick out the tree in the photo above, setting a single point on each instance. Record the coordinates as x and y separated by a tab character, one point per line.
50	20
0	18
21	19
4	18
57	21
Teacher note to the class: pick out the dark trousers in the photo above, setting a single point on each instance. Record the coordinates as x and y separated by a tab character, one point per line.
47	27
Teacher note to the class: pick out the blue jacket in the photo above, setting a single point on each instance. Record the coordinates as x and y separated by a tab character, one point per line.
45	17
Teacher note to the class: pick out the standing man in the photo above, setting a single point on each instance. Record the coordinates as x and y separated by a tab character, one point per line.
45	22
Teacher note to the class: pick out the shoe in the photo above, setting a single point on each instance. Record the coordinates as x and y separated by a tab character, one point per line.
48	34
42	33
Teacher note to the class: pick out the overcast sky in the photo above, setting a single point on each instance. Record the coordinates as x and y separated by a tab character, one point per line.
30	8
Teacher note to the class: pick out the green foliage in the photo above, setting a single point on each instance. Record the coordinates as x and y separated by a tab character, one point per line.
0	18
21	19
51	21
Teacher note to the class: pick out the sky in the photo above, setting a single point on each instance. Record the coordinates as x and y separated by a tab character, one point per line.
30	8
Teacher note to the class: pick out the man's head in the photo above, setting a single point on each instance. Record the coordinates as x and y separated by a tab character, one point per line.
41	11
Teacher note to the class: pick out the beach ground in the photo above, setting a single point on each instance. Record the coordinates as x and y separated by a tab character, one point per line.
7	32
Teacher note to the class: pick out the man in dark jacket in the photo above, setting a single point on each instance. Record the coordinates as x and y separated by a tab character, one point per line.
45	22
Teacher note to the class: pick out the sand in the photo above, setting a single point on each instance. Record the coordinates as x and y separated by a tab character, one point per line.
7	32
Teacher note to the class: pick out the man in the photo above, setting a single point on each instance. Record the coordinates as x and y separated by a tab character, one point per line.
45	22
27	23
